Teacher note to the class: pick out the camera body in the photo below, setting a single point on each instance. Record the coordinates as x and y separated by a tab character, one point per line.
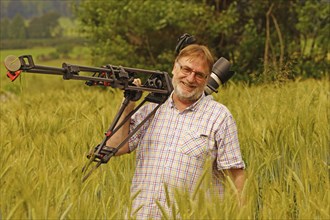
220	73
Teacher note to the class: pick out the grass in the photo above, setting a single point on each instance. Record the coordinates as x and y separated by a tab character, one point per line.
285	137
46	133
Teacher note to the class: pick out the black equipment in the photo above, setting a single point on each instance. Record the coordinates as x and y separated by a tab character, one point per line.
183	41
158	85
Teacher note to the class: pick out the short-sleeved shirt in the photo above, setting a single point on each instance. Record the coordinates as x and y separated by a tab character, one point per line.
172	148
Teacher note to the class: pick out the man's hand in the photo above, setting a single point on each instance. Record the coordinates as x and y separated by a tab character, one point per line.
134	95
137	82
238	177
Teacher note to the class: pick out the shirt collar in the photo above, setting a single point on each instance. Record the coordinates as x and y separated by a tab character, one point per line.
193	107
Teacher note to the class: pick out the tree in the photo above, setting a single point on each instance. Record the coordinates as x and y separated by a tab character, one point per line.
32	8
5	26
259	37
143	33
15	8
313	25
42	27
17	28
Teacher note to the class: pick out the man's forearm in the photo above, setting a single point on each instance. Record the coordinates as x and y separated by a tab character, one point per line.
238	177
122	133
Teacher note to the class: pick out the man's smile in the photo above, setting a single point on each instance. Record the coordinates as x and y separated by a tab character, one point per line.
188	86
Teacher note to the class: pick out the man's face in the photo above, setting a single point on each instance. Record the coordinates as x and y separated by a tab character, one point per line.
189	78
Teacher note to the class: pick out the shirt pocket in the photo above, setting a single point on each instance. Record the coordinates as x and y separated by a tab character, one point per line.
194	144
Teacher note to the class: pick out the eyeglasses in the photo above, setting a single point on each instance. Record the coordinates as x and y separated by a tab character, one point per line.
186	70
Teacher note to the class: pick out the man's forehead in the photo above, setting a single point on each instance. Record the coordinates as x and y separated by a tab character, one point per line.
195	62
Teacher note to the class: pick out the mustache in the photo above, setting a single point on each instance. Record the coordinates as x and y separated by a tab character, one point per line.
189	84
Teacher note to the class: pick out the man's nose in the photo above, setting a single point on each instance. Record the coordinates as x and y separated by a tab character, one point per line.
191	77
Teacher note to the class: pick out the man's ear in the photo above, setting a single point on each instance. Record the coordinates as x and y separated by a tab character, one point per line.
175	68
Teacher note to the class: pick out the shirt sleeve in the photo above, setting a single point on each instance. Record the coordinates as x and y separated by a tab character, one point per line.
136	119
228	153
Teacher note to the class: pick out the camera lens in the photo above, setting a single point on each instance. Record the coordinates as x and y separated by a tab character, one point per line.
220	74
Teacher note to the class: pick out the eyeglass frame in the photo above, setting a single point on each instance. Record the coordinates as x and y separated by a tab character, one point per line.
186	70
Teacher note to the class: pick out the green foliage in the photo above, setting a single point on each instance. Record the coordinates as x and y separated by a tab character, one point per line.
37	43
29	9
68	27
262	39
144	33
42	27
49	25
141	33
314	25
14	8
17	28
5	28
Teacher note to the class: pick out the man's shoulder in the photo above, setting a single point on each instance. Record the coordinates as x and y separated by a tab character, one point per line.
148	106
209	100
216	107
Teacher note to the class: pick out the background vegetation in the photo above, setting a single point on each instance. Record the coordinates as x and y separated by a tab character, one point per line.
279	98
267	41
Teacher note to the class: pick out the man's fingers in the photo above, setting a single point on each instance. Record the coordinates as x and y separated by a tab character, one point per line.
137	82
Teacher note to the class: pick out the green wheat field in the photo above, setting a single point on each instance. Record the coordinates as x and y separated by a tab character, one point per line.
48	125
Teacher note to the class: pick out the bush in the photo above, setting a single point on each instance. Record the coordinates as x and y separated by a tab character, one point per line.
49	42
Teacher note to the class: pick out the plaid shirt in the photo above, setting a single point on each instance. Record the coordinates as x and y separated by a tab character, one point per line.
172	149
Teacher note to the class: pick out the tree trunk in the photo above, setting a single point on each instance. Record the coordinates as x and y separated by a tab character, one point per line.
278	30
267	39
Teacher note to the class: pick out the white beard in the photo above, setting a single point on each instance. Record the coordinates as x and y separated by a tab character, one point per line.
184	95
